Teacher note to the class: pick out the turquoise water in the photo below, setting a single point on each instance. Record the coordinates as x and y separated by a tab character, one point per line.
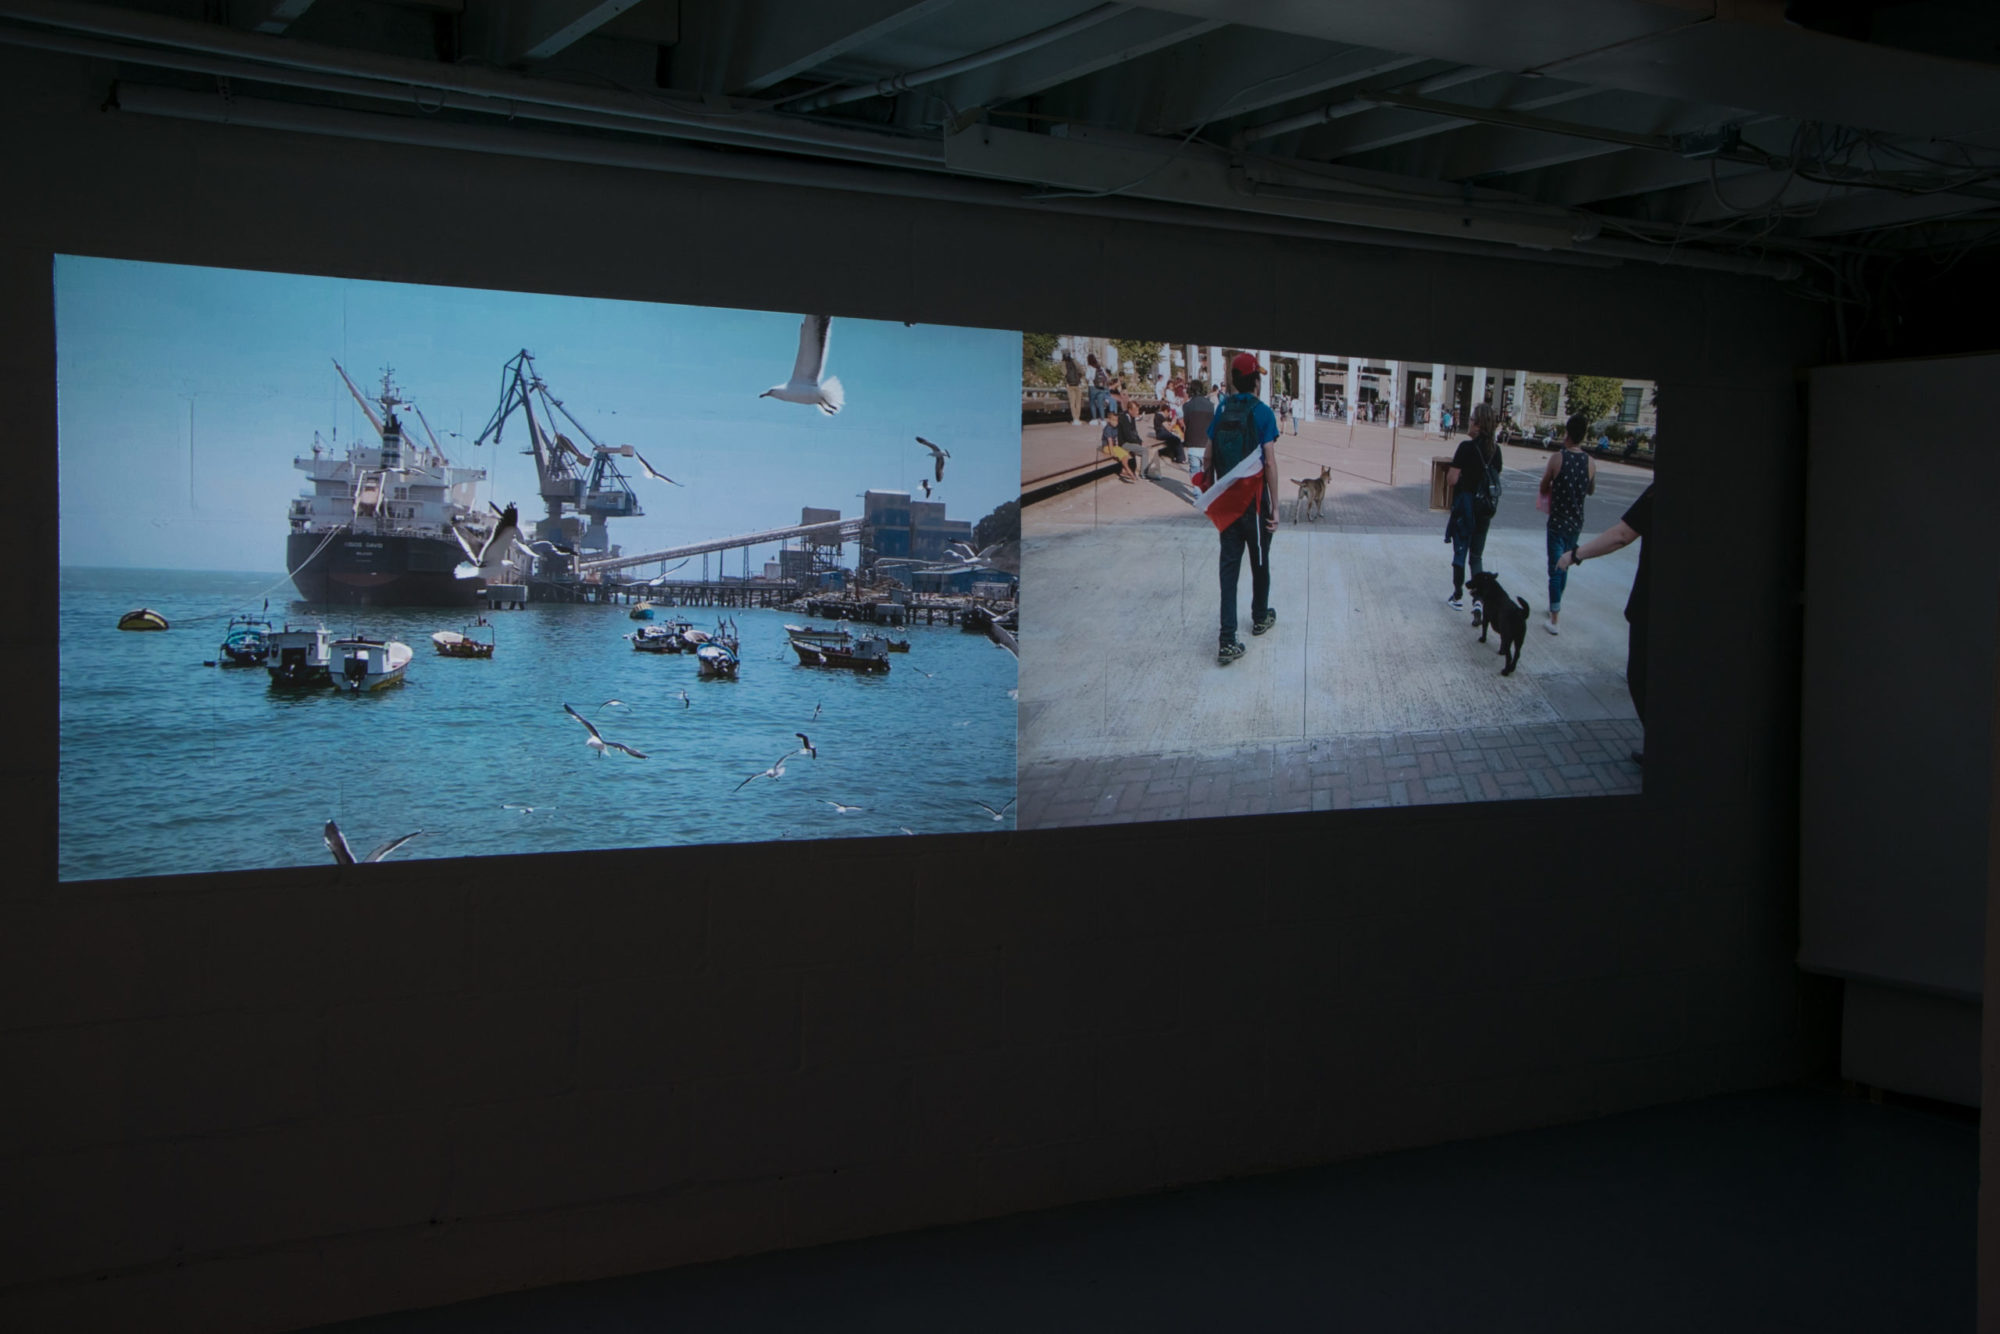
168	766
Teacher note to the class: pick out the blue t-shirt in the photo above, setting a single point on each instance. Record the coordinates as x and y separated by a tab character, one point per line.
1263	422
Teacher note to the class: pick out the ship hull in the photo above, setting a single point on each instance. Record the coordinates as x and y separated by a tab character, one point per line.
362	570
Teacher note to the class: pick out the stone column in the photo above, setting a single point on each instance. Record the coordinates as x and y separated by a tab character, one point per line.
1478	390
1353	386
1437	395
1308	386
1218	373
1264	380
1395	393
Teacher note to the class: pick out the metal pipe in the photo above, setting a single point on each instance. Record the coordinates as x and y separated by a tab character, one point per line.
480	87
902	83
399	95
892	182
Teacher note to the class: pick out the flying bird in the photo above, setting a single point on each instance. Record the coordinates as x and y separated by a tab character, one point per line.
1000	635
843	810
686	703
806	747
777	770
806	384
598	743
486	560
938	454
1000	814
925	483
815	717
653	472
517	806
336	843
661	578
614	704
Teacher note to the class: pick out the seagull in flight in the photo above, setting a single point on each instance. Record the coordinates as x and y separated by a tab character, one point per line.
653	472
1000	635
614	704
843	810
517	806
925	483
336	843
938	454
686	703
777	770
477	563
598	743
807	385
806	747
1000	814
661	578
815	717
541	546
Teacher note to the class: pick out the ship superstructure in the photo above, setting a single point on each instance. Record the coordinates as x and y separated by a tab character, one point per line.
375	525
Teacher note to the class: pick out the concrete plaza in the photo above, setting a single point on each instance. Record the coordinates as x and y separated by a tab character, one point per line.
1369	691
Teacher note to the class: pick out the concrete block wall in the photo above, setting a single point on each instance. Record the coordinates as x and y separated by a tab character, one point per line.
257	1101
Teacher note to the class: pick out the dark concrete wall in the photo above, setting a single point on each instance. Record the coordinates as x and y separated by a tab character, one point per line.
257	1100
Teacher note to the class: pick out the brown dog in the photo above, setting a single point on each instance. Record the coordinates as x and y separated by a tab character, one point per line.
1312	495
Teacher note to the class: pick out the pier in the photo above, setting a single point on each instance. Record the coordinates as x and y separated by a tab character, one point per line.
731	594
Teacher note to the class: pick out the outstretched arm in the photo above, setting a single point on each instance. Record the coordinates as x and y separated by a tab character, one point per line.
1618	535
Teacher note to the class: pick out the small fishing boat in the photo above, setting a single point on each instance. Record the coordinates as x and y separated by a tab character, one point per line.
641	611
714	660
838	648
692	639
299	658
361	664
145	618
453	644
898	645
247	642
656	639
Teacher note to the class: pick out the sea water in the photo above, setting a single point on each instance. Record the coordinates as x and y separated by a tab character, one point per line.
171	766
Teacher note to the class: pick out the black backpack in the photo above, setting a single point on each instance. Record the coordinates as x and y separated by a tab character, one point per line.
1486	496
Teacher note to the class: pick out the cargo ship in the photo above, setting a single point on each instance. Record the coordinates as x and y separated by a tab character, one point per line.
387	523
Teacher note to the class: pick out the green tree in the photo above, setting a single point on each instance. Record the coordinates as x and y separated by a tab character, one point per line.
1038	364
1595	396
1002	525
1137	357
1545	394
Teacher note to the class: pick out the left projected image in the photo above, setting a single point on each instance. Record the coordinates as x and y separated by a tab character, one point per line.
352	571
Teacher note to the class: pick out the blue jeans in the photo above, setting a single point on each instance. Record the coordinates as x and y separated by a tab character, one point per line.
1246	534
1099	400
1559	579
1468	538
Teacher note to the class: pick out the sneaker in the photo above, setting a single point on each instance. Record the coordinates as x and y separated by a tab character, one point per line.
1550	626
1456	602
1229	652
1264	622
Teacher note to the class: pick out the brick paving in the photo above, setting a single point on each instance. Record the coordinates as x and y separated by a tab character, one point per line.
1519	762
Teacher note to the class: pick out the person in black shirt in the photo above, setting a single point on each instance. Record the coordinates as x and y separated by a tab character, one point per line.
1634	527
1475	460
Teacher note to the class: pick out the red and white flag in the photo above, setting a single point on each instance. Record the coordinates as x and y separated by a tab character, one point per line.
1230	496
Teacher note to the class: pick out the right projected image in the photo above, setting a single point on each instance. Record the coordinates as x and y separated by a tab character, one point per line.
1269	580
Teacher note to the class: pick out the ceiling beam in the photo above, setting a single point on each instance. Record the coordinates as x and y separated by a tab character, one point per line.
1487	150
1619	175
546	28
1865	211
1229	72
1129	36
1386	125
753	45
268	16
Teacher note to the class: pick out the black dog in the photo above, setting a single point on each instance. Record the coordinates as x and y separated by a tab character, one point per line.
1506	616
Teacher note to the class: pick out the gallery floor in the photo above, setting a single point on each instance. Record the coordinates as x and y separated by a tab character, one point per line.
1782	1210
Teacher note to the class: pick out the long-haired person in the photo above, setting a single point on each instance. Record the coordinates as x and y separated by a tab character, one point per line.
1475	488
1569	477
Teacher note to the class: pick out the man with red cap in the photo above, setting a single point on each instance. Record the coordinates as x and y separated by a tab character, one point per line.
1240	496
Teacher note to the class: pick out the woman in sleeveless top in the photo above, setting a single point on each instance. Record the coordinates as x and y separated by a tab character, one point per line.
1569	477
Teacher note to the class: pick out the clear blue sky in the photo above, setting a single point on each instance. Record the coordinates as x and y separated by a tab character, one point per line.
138	343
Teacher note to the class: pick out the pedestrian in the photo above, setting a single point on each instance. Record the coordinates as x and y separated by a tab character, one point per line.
1128	434
1240	497
1100	386
1195	417
1475	487
1073	385
1568	478
1108	444
1635	526
1444	422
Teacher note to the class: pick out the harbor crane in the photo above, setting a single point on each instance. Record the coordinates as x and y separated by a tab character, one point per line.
570	477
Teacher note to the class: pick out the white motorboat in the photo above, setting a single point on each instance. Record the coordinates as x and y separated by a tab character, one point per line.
361	664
